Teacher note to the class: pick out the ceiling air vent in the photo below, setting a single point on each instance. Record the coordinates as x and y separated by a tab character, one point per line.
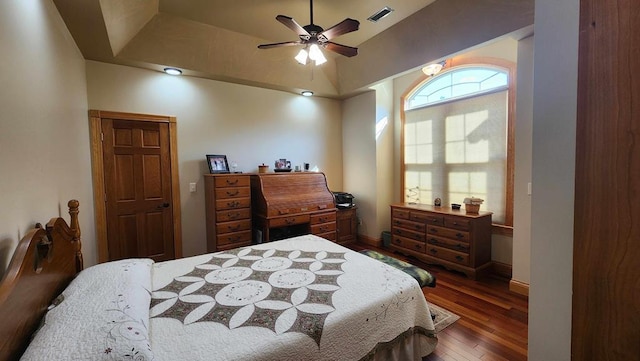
380	14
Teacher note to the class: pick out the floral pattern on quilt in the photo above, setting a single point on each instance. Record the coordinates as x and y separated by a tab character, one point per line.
283	291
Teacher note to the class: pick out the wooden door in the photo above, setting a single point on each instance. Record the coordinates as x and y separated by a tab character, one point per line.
137	174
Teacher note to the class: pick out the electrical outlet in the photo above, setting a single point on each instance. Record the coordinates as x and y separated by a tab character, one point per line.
359	221
192	187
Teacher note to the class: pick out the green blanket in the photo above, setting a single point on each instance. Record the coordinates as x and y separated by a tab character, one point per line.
424	278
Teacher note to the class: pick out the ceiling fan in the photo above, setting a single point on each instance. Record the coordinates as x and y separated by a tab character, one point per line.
314	37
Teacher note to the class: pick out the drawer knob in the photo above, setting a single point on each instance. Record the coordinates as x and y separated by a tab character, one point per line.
417	246
459	235
459	258
433	230
433	241
289	221
232	182
234	228
233	204
231	194
434	251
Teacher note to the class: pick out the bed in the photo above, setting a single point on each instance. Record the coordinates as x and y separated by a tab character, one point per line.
302	298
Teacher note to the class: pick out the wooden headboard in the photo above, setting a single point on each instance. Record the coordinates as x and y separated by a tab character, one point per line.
43	264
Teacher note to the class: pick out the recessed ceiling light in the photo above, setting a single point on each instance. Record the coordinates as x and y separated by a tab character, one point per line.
172	71
380	14
307	93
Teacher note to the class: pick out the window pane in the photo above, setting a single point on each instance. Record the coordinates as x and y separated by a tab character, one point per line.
458	82
460	152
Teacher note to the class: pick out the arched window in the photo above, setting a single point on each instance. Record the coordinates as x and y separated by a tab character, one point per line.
456	139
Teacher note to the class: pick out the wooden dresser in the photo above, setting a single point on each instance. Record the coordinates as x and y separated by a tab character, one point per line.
228	210
291	204
441	235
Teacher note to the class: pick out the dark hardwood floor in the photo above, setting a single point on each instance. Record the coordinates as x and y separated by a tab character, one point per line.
493	320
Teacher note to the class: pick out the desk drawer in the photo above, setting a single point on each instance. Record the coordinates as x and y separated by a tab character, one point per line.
323	217
289	221
323	228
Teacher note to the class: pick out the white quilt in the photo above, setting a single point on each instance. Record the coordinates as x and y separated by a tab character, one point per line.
303	298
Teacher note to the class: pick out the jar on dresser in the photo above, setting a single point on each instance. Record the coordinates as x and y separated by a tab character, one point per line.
440	235
228	211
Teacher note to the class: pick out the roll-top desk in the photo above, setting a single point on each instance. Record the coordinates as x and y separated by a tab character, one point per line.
290	204
452	238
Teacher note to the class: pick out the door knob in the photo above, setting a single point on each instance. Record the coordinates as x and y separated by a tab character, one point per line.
163	205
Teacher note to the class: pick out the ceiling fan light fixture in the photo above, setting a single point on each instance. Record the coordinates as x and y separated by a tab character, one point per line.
302	56
307	93
316	55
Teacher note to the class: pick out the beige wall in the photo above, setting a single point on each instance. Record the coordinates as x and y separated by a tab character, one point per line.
359	158
44	143
553	178
250	125
522	168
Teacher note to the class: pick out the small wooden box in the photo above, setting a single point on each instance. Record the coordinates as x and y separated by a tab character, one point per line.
472	208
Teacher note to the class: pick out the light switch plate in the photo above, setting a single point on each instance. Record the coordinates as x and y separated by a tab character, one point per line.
192	187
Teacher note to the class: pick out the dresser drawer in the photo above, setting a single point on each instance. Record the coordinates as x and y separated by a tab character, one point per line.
233	203
235	226
323	217
235	192
323	228
448	233
416	235
232	240
408	244
448	255
399	213
457	223
233	215
289	221
403	223
427	218
460	246
232	181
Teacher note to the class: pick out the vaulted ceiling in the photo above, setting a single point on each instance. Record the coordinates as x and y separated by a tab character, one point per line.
218	39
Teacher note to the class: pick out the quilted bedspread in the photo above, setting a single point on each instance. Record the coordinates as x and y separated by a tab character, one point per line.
303	298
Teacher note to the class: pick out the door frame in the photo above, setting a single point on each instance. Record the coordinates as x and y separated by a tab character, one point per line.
97	172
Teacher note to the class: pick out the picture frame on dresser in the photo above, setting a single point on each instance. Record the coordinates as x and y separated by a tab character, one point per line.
217	163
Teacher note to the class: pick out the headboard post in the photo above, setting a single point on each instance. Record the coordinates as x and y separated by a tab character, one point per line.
75	229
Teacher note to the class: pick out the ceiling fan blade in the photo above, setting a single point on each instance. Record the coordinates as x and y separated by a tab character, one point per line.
345	26
341	49
276	45
293	25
